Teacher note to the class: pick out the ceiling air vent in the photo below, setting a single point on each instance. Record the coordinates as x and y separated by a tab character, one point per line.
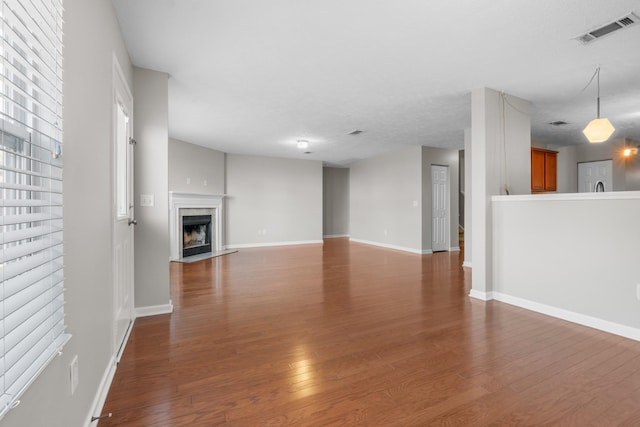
618	24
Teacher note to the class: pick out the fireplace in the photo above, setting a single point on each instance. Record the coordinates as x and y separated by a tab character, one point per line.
196	234
187	209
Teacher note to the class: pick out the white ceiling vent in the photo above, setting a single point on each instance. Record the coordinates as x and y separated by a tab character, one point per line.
618	24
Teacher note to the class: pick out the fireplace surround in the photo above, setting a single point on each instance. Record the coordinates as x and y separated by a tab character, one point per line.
191	205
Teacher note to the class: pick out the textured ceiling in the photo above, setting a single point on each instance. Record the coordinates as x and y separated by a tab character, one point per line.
253	76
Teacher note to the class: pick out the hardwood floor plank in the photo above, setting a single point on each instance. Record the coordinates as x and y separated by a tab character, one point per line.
346	334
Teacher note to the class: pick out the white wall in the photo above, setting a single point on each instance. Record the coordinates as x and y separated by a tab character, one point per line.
386	200
567	169
632	170
335	201
91	37
273	201
195	169
150	95
438	156
575	256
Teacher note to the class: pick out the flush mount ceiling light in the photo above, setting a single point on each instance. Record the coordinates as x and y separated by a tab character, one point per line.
598	129
303	144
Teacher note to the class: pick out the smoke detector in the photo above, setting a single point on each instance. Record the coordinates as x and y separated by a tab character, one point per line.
604	30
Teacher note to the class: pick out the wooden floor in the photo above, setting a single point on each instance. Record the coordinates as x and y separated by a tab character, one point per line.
347	334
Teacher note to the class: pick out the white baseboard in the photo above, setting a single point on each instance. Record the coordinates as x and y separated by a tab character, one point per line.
466	264
426	251
571	316
398	248
265	245
484	296
153	310
334	236
454	249
101	393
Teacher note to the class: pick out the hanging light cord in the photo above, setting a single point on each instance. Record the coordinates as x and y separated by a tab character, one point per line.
573	98
598	73
504	141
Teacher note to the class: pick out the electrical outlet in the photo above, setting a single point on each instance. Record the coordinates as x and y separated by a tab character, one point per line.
188	180
385	232
73	374
204	182
638	291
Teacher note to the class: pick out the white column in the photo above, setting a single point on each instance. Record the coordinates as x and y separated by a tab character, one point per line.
500	163
468	205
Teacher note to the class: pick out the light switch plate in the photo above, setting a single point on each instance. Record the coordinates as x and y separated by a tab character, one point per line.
147	200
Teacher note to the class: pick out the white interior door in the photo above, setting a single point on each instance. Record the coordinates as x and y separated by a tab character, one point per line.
440	208
591	173
123	212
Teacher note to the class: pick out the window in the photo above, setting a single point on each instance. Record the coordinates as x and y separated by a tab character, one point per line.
32	329
122	164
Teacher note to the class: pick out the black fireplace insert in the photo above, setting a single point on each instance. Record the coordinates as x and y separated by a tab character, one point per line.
196	232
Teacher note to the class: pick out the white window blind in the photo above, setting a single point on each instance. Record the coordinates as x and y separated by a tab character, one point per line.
32	330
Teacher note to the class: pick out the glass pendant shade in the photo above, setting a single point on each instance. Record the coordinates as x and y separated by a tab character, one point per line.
598	130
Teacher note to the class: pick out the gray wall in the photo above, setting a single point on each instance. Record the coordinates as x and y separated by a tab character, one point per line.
567	169
195	169
335	202
632	169
442	157
626	172
385	200
91	37
150	95
596	286
272	200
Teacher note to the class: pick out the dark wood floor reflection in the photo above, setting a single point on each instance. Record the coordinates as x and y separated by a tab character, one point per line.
347	334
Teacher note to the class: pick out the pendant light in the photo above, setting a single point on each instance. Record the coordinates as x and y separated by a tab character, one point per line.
598	129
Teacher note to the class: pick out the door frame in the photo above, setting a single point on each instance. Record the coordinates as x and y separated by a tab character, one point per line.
121	95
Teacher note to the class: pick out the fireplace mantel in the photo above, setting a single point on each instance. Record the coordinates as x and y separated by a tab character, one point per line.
177	201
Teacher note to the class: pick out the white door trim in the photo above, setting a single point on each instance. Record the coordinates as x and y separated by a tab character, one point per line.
122	262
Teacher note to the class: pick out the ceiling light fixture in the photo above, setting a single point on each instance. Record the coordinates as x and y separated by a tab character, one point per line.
598	129
303	144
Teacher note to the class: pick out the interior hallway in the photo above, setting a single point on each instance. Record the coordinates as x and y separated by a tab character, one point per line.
350	334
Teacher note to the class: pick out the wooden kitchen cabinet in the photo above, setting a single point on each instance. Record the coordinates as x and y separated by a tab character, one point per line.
543	170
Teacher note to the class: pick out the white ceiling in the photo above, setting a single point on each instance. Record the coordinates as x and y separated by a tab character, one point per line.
253	76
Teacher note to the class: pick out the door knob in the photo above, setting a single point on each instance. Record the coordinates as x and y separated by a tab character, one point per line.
133	222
